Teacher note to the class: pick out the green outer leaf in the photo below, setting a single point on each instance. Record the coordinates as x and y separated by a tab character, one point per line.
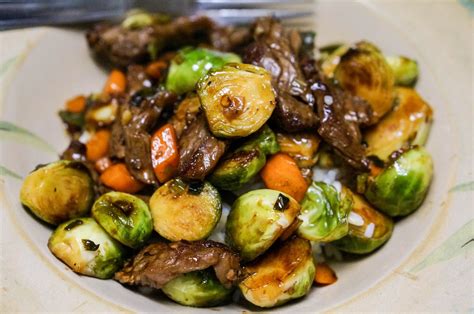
5	172
459	242
324	213
463	187
9	130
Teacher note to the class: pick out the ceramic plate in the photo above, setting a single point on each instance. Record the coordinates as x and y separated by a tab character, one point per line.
58	65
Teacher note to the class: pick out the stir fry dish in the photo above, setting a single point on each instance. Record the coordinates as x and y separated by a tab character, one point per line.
218	164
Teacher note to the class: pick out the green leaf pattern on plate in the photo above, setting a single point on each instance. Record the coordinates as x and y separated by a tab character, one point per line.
7	64
467	186
459	242
10	131
5	172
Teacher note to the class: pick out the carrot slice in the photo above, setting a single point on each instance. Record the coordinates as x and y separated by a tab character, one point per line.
282	174
324	275
164	153
116	83
156	69
76	104
119	178
98	145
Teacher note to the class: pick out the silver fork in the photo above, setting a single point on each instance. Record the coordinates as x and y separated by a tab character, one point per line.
25	13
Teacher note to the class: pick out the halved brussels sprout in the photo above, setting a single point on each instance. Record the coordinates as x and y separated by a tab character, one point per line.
237	99
125	217
240	167
190	64
364	72
401	188
265	139
86	248
404	69
368	229
408	124
184	211
198	288
137	19
257	219
58	191
237	169
301	146
285	273
324	213
330	57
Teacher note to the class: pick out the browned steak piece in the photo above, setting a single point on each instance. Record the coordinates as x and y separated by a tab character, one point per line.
199	150
159	263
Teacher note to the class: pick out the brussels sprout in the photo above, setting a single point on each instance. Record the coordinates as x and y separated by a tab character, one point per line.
330	57
257	219
137	19
190	64
265	140
238	169
364	72
86	248
401	188
244	164
324	213
198	288
285	273
404	69
301	146
368	229
58	191
237	99
408	124
184	211
125	217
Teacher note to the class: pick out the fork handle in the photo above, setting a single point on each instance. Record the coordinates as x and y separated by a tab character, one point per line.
21	13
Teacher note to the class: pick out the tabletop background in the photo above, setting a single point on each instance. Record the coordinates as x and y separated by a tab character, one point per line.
438	276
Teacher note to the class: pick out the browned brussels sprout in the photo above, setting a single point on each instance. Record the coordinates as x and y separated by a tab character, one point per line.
86	248
185	211
237	99
364	72
401	187
257	219
58	191
285	273
407	124
368	229
405	70
301	146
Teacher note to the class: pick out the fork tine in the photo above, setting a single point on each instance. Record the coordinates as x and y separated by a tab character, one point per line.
247	16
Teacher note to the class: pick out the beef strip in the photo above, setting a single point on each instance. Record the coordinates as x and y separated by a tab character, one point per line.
340	117
131	140
137	78
123	47
199	150
159	263
229	38
117	138
185	114
277	51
